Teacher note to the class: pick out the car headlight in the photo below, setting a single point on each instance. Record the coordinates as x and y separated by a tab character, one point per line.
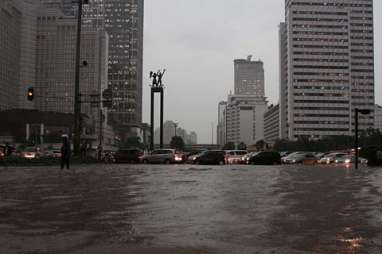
347	160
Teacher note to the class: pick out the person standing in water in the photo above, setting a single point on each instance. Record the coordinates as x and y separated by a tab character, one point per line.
65	152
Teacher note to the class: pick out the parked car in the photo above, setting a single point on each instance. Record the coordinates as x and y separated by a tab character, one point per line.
128	156
30	153
52	154
301	158
244	159
215	157
265	158
331	158
192	155
286	159
234	156
350	159
166	156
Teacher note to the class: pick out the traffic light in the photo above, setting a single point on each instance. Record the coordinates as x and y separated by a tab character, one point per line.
30	94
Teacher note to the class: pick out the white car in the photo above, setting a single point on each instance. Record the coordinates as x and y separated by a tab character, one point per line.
331	158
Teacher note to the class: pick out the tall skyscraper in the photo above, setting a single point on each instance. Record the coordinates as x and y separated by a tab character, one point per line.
221	127
283	81
249	77
123	21
124	24
330	66
244	110
18	19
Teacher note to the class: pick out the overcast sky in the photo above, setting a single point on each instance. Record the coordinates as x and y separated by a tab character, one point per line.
197	40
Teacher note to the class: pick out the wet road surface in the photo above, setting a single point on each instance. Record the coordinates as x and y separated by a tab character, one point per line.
186	209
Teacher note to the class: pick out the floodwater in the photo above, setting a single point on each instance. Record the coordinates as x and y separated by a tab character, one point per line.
186	209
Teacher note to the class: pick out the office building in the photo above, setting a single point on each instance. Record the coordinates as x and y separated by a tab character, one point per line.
10	37
244	110
171	129
329	68
249	77
283	81
378	118
245	119
221	127
17	50
55	71
272	124
123	22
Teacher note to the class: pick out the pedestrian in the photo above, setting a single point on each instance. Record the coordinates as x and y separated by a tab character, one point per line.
65	152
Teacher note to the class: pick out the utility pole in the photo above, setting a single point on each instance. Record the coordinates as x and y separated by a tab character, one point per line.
77	102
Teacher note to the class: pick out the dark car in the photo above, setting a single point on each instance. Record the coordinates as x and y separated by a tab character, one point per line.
265	158
215	157
128	156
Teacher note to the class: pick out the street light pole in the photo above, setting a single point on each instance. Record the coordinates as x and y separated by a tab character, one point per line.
77	102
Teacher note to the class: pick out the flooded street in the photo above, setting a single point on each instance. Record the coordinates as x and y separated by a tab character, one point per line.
144	209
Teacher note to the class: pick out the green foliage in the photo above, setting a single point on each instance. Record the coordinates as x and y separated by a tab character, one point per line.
229	146
260	145
132	142
177	143
242	146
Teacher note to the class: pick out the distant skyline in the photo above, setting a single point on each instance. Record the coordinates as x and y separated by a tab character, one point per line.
197	41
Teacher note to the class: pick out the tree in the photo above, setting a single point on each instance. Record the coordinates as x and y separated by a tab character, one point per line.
177	143
242	146
229	146
260	145
133	142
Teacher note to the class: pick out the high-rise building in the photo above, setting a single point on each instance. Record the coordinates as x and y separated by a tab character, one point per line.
171	129
330	66
55	70
123	21
221	128
10	37
378	118
244	110
245	119
272	124
249	77
17	51
283	81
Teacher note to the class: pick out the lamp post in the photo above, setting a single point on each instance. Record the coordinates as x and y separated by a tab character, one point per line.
77	102
356	141
175	127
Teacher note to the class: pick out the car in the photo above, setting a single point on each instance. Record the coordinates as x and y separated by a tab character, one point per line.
350	159
30	153
214	157
128	156
331	158
234	156
265	158
166	156
286	159
244	159
192	155
301	158
51	154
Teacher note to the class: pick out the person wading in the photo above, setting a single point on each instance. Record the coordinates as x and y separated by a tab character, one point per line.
65	152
